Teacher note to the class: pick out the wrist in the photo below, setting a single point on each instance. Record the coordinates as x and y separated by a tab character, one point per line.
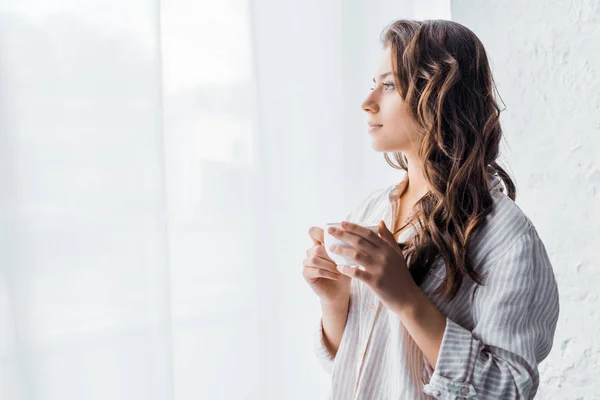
334	308
413	306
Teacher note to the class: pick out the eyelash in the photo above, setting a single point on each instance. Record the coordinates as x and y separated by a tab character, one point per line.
385	84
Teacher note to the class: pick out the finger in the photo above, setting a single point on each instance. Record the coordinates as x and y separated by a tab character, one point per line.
316	234
316	261
386	234
354	240
320	251
313	272
354	272
363	232
353	254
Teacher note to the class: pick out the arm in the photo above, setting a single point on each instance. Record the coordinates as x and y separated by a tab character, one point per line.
330	330
334	319
516	312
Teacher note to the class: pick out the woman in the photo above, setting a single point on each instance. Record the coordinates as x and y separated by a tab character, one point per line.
458	299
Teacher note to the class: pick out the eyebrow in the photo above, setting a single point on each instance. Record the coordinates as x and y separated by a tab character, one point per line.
383	75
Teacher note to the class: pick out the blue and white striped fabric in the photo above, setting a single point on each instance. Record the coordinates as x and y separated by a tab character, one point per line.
496	334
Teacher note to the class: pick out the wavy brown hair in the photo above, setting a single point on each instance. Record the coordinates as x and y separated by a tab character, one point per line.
442	71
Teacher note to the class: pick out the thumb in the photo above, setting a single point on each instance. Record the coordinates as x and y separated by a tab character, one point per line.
386	234
316	235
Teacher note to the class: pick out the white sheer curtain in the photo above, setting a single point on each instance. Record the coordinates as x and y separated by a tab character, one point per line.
160	164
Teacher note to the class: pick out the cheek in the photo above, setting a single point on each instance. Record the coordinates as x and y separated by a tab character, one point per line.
393	111
403	122
399	128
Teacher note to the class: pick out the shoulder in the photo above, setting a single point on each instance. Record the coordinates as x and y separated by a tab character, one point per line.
505	228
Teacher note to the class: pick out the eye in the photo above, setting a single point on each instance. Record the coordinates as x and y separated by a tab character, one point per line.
387	85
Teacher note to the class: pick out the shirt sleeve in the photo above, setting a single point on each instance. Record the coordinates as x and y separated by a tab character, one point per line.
320	350
515	314
325	358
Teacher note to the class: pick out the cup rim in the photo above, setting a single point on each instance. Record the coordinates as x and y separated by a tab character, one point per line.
339	223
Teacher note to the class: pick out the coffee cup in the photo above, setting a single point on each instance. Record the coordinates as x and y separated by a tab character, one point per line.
329	240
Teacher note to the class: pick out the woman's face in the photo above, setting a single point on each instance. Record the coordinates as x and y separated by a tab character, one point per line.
394	129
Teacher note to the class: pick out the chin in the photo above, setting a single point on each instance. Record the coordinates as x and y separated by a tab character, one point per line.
382	147
379	149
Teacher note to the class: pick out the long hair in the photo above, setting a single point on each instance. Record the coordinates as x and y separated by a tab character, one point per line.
442	72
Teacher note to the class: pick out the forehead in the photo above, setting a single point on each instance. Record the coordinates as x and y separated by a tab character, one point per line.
385	62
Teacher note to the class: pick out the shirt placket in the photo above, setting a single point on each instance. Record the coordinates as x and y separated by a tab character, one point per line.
373	308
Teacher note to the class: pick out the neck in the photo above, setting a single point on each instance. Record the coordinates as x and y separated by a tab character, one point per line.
417	184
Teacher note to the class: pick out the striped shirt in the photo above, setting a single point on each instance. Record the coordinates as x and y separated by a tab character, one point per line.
495	336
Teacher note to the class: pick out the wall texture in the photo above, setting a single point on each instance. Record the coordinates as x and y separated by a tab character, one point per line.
547	67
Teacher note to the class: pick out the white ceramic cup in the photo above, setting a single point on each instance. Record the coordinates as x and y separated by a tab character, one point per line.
328	240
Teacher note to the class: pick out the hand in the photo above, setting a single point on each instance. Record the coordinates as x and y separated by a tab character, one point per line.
386	271
320	272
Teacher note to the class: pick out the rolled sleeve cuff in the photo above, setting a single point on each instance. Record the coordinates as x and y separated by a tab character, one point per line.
455	364
325	359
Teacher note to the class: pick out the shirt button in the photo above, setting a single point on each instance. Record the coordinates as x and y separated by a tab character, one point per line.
372	307
465	390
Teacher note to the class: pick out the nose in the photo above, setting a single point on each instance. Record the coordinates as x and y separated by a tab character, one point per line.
369	105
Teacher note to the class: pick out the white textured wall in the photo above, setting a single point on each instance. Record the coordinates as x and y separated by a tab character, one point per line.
546	60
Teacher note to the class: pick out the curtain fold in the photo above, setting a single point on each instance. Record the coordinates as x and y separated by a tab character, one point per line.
160	165
85	303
